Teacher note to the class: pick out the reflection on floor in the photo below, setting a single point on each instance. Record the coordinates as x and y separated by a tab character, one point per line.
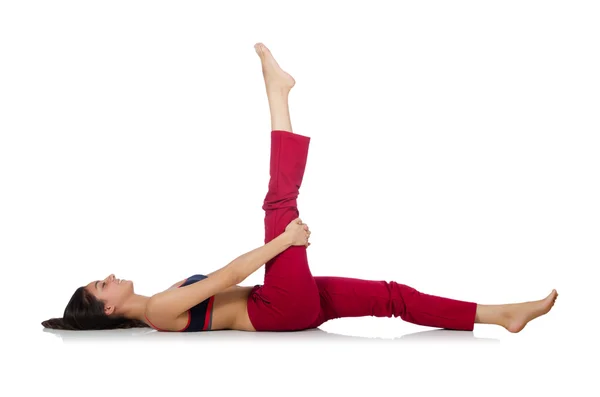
311	335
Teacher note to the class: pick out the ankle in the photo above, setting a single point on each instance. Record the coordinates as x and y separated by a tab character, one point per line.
493	314
278	92
504	316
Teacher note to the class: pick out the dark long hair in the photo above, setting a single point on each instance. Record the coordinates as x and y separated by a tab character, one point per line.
85	312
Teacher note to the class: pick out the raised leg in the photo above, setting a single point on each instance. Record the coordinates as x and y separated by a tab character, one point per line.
289	299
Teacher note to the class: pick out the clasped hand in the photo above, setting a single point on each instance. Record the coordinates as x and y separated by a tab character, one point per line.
298	232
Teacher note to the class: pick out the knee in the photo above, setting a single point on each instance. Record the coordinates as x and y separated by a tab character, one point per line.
406	292
404	296
276	202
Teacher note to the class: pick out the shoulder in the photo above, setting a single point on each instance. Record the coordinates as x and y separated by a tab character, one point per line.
166	306
164	317
161	319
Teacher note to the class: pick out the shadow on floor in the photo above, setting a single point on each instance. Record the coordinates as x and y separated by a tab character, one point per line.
311	335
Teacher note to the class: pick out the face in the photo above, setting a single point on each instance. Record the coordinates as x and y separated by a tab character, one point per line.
112	291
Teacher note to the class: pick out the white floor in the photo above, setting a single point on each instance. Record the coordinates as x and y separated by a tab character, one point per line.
345	356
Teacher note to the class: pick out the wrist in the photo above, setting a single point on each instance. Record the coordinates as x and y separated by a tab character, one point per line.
286	239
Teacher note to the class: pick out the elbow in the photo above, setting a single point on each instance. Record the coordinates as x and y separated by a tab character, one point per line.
238	277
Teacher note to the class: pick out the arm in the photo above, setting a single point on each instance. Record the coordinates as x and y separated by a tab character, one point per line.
171	303
244	265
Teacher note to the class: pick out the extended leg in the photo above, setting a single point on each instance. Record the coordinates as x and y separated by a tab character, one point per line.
350	297
289	299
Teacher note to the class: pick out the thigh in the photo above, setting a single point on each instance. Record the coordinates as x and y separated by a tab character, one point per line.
350	297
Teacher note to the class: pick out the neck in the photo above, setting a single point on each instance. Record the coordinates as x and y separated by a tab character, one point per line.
134	307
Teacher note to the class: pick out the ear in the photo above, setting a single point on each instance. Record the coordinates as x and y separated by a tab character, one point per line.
108	310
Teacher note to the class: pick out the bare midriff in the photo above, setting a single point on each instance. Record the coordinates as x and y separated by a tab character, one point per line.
230	309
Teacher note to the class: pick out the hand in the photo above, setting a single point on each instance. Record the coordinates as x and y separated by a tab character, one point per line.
298	232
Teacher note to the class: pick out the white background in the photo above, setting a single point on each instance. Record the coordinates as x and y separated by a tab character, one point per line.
454	148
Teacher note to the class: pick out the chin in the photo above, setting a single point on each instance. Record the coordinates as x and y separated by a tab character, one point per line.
127	285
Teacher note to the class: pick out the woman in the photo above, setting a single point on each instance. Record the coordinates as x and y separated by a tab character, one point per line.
290	298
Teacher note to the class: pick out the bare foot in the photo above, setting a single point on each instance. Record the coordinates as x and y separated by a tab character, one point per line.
517	315
275	78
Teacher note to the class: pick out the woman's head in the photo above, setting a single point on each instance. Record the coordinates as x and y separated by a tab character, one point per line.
98	305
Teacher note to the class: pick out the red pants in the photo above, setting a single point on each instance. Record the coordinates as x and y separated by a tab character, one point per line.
292	299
